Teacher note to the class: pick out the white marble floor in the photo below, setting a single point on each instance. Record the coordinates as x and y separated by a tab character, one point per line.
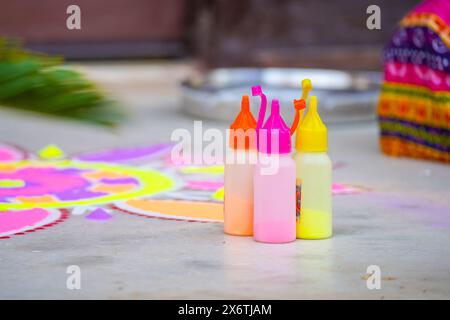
401	225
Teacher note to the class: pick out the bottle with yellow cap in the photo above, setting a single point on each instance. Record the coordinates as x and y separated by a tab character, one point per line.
239	165
314	204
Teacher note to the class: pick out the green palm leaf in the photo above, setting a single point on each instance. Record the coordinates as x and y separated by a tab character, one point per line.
40	83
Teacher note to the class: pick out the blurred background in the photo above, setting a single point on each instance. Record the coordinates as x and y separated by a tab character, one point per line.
300	33
136	54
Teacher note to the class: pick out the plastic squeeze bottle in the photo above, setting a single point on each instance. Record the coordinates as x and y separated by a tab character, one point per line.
314	206
274	182
238	199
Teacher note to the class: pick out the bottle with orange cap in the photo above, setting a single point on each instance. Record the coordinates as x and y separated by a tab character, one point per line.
239	165
313	169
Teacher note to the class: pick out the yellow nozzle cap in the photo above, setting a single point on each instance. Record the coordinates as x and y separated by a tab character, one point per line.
306	88
312	133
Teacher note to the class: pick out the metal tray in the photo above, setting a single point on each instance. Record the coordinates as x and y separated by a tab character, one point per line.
342	96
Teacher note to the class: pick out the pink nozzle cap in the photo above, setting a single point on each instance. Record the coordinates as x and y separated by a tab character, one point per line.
275	128
256	90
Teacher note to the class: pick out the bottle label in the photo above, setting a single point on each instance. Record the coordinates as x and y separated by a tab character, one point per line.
298	196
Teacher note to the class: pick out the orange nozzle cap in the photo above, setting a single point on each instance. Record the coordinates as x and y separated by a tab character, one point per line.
245	104
299	105
243	129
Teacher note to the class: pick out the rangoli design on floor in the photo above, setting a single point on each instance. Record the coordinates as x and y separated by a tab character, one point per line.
20	222
141	181
11	153
30	184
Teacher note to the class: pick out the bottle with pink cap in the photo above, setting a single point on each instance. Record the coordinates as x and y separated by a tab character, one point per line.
274	218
